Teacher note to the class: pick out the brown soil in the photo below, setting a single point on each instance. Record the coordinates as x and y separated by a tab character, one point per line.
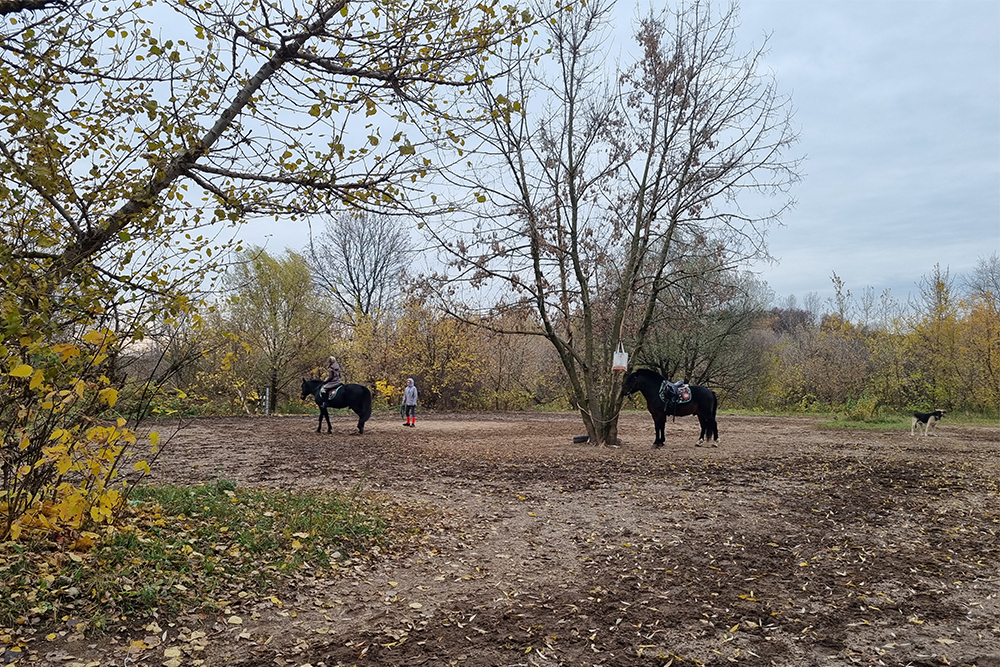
789	544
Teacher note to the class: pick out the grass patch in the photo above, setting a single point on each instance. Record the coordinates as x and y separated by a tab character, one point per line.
880	423
901	422
774	412
183	548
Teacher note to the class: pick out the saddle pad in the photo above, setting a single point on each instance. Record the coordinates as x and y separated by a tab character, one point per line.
683	394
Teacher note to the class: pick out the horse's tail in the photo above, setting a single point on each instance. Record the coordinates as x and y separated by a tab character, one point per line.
715	422
366	404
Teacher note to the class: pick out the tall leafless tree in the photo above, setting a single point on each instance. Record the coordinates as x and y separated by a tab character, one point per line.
984	281
361	261
598	189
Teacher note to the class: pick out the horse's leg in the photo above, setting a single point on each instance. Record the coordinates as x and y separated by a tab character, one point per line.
329	428
709	428
661	426
319	425
361	421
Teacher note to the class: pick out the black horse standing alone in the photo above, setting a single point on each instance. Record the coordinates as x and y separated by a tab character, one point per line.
703	403
357	397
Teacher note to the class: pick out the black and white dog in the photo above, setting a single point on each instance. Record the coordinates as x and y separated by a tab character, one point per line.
928	419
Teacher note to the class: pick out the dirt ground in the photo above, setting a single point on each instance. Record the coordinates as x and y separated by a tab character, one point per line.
789	544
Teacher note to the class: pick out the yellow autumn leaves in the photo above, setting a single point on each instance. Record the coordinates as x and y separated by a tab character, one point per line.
66	461
22	371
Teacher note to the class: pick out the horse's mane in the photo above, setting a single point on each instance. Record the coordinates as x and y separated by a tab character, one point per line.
648	373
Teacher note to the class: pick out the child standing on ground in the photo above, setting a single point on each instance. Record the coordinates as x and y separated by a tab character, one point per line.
410	403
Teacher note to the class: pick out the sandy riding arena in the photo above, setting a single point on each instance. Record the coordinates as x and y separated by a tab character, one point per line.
790	544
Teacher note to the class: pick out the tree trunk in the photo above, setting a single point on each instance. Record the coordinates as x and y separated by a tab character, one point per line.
603	431
272	399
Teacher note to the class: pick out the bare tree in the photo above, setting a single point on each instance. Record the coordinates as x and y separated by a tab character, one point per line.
985	278
601	189
704	330
361	260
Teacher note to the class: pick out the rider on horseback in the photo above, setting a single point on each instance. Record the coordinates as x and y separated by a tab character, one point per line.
332	380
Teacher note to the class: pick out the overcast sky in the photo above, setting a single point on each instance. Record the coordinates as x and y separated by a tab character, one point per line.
898	107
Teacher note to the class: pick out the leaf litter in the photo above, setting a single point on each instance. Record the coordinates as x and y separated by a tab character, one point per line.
512	546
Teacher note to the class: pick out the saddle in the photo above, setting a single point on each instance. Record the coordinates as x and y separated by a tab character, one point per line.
672	393
329	397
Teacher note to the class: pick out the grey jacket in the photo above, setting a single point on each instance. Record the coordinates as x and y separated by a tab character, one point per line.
410	394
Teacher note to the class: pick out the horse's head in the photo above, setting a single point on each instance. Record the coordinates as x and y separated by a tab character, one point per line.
630	385
306	389
642	380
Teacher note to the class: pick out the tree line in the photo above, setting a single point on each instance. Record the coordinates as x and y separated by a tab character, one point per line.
863	355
